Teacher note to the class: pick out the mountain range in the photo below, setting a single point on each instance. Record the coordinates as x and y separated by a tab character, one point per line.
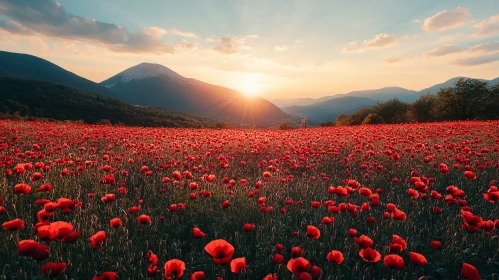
154	85
329	107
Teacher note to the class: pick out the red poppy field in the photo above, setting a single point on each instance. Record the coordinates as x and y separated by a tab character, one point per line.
366	202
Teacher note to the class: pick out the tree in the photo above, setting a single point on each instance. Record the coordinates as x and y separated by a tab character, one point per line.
373	118
423	109
326	124
392	111
285	126
468	99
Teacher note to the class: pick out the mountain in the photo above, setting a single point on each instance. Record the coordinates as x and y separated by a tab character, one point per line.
155	85
330	109
450	83
30	67
38	99
382	94
282	103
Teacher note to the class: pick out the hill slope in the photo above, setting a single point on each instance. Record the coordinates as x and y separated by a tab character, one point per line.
330	109
155	85
48	100
30	67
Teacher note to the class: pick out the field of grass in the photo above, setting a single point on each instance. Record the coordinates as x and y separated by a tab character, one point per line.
300	192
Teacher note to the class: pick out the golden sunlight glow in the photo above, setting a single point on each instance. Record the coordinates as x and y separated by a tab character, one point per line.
249	84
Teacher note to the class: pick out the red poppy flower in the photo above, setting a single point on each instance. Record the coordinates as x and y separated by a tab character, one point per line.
53	269
248	227
279	247
270	277
116	222
305	276
144	219
398	244
15	224
198	275
278	259
220	250
45	188
417	259
352	232
236	265
394	262
470	272
26	247
197	233
335	256
398	215
108	275
98	239
327	220
174	269
296	252
225	204
470	175
370	255
152	270
435	244
55	230
41	253
363	241
299	265
22	189
313	232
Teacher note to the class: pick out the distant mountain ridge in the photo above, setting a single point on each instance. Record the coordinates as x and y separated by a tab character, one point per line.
155	85
330	109
382	94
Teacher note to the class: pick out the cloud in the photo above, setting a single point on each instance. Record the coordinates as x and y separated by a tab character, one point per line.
477	60
281	48
228	45
443	50
183	34
452	49
381	40
48	18
488	27
393	59
445	20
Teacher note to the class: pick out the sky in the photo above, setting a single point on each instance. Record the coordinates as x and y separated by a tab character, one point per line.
276	49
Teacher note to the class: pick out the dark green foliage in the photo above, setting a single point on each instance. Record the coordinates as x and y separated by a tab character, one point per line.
285	126
36	99
423	109
392	111
373	118
469	99
327	124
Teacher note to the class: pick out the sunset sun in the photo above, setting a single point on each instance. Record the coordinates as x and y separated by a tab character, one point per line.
250	85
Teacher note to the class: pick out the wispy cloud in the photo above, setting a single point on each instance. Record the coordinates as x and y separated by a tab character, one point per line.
445	20
444	50
229	45
183	34
393	59
484	48
477	60
281	48
48	18
488	27
381	40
